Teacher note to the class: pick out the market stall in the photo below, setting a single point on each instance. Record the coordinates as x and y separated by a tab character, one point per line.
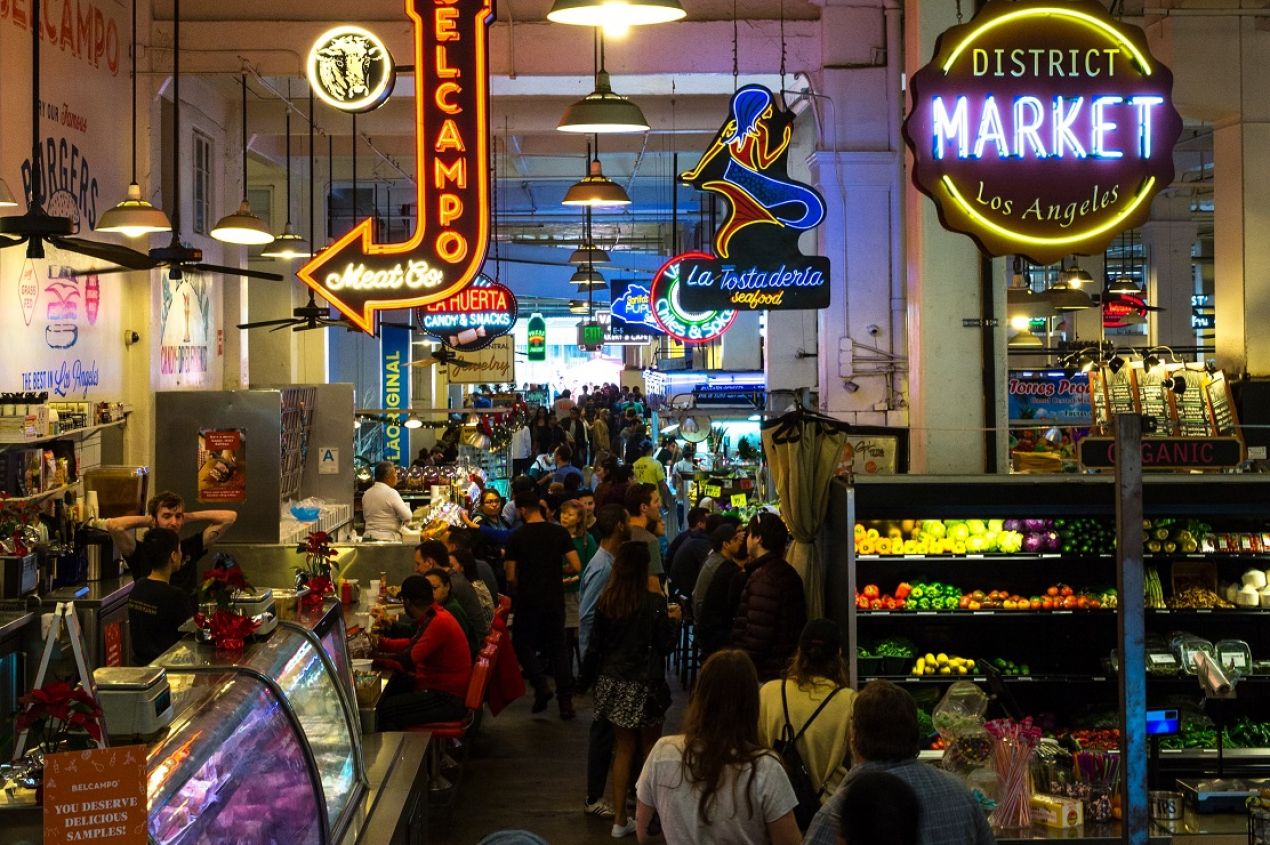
1009	583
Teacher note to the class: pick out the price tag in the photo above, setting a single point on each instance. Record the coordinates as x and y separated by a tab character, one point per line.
1236	660
714	491
1167	659
739	500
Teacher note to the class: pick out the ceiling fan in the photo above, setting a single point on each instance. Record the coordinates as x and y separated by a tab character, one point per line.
444	355
37	227
311	316
176	256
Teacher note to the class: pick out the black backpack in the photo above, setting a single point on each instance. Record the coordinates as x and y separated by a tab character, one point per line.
799	778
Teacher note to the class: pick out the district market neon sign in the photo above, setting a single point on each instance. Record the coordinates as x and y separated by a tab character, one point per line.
676	320
359	276
1042	129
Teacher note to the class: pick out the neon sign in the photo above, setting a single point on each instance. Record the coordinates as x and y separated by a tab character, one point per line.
472	318
670	313
631	307
537	338
1042	129
359	276
350	69
757	263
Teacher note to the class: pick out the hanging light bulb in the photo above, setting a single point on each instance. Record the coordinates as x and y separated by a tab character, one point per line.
1075	275
578	306
602	111
412	422
242	227
584	277
133	217
1124	285
596	190
588	253
615	15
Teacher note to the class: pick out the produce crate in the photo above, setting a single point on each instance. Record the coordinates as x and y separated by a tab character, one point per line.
1037	461
1259	824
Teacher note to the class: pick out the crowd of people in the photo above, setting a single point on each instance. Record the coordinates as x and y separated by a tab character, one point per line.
774	745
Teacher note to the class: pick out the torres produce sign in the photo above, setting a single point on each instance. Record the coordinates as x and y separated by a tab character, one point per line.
472	318
757	263
359	276
1042	128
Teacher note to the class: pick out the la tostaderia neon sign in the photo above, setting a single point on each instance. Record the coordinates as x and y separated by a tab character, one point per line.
1042	129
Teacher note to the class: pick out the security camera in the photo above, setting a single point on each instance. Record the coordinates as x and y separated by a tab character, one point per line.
130	337
850	386
873	329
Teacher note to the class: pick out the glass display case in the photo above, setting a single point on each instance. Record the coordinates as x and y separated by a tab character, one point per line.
326	625
294	662
233	767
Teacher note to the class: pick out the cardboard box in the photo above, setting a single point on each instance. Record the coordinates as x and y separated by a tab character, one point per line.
1057	812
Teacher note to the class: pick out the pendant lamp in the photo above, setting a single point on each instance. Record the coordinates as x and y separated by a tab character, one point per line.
596	190
1124	285
243	227
602	111
288	245
1063	297
584	276
1075	275
588	253
133	217
615	14
577	306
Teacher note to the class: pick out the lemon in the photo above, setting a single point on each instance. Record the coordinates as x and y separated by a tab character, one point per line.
962	670
945	670
930	658
942	658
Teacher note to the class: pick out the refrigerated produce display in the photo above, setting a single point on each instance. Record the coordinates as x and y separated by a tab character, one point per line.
304	680
233	767
1010	583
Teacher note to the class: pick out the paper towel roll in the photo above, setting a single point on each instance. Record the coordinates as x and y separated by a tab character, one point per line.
92	506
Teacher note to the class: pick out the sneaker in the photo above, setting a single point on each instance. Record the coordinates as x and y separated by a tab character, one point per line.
621	831
540	700
600	808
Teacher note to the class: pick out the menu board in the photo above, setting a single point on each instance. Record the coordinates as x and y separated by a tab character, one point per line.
1150	389
1098	401
1223	412
1190	407
1120	393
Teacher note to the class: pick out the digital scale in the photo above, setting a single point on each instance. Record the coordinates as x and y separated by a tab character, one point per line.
135	701
258	605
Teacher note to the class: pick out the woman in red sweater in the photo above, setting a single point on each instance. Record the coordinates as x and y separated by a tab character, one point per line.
432	667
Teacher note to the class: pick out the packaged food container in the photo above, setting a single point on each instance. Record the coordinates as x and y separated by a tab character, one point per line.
1235	657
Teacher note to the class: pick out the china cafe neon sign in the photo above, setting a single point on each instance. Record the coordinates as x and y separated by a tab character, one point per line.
1042	129
359	276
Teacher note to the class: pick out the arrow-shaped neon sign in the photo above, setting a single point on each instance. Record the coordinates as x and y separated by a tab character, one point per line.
359	276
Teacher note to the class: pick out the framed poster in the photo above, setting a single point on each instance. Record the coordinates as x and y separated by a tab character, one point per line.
222	465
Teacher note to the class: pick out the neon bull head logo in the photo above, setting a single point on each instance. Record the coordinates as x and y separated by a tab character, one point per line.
359	276
343	65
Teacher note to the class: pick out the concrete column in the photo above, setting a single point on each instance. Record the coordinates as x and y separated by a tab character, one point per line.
1168	238
946	367
741	346
1241	295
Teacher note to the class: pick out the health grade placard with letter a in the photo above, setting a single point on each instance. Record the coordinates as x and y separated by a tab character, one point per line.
98	795
1042	129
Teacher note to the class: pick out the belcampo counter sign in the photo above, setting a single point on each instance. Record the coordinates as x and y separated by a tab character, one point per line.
1042	128
359	276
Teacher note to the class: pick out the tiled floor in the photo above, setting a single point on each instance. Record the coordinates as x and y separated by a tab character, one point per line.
529	772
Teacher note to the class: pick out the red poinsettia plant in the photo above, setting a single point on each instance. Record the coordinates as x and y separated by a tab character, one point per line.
221	582
57	713
316	571
229	630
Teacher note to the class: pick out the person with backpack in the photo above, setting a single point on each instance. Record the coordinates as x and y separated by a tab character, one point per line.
806	717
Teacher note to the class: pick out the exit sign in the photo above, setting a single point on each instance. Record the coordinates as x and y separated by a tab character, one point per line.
590	336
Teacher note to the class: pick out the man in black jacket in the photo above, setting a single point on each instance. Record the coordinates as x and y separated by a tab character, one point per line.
773	607
721	596
688	551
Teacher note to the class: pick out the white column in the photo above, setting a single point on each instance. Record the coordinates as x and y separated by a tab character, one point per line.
1168	238
1241	289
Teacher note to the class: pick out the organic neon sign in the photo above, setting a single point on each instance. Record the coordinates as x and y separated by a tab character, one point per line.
359	276
1042	129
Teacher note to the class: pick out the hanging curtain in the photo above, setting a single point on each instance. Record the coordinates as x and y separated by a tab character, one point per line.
803	451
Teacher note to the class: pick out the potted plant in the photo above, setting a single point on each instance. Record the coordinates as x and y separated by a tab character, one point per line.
226	627
57	717
315	573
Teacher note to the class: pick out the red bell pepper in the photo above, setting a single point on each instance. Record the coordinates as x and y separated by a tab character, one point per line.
875	604
902	591
871	591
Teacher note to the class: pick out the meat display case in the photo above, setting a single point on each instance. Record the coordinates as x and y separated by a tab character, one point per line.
234	767
301	677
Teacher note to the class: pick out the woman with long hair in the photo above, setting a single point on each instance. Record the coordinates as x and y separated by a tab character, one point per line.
626	661
715	783
812	695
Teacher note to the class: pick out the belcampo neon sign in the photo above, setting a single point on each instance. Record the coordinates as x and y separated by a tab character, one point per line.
359	276
1042	128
